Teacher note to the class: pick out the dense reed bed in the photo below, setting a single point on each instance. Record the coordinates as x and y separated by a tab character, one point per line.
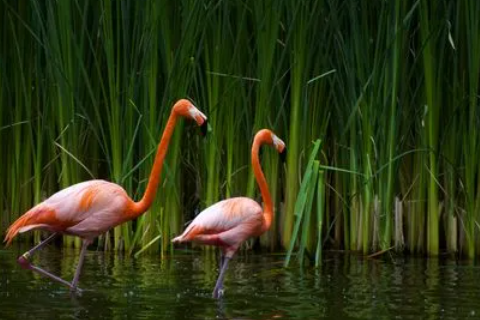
378	102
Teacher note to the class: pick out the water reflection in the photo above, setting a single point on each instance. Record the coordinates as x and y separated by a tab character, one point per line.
257	287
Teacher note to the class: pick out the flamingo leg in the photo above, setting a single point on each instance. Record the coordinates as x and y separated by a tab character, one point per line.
25	263
85	244
222	257
51	276
27	255
218	291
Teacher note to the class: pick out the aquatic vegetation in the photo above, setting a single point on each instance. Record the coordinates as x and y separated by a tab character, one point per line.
390	88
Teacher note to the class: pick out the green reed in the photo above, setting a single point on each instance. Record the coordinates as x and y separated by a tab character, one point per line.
390	88
299	17
432	105
468	13
303	206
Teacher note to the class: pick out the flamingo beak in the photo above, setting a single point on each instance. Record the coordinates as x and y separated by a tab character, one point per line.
204	128
283	155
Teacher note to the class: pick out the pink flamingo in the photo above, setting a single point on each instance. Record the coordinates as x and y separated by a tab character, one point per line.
90	208
228	223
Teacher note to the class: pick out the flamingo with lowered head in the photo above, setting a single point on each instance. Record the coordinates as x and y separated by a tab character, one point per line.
91	208
228	223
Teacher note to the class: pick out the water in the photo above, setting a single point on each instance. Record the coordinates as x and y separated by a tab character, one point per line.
256	287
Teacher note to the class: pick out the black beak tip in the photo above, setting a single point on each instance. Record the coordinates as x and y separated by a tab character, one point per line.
204	128
283	155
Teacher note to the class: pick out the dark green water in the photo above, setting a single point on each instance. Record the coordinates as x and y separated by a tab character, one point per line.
256	287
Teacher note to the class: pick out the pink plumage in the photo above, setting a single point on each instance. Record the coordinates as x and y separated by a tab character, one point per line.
86	209
227	224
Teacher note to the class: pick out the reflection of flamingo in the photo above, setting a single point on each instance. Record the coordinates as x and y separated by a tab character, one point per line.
90	208
230	222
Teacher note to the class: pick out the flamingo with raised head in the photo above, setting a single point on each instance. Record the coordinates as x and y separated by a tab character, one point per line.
228	223
91	208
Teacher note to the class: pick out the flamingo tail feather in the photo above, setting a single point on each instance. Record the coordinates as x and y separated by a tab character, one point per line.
35	218
191	232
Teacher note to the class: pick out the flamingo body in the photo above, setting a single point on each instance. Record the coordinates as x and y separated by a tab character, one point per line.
226	224
86	210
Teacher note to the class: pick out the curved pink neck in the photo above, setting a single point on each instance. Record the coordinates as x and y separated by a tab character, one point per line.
152	186
262	183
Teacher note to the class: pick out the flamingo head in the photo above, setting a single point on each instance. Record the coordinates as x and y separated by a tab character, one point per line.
280	146
185	108
270	138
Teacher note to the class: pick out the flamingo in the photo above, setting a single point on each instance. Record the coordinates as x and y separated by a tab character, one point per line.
228	223
91	208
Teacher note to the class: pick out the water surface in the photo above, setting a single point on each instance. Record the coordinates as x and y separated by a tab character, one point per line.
256	287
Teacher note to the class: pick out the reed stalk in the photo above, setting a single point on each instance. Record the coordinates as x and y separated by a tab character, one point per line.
303	206
300	16
471	146
390	88
320	216
431	126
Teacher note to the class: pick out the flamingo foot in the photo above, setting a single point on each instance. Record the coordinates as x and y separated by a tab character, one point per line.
76	290
24	262
218	293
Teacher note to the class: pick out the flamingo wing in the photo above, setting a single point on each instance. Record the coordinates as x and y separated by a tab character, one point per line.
227	222
85	209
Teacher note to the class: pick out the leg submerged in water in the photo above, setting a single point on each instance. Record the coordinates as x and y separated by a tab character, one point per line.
218	291
25	263
85	244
